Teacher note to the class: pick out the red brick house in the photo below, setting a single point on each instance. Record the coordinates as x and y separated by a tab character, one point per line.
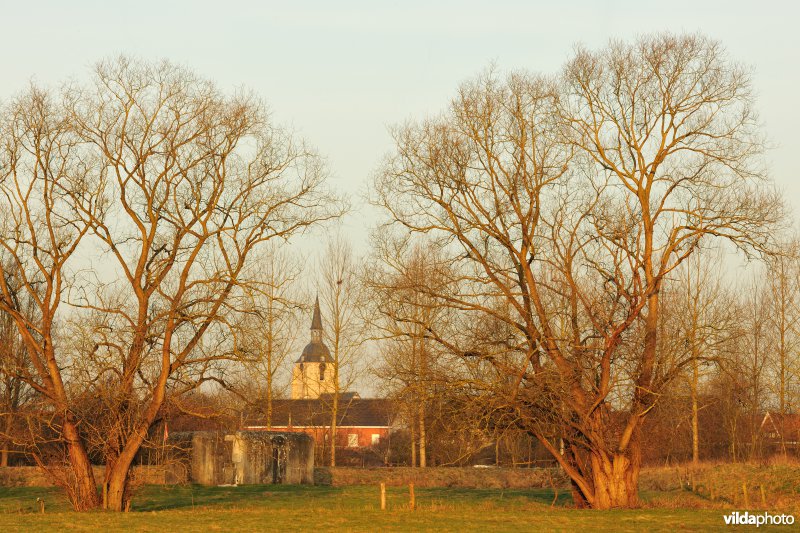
781	432
361	422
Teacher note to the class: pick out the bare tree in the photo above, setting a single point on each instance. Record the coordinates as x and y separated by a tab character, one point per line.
571	203
747	365
174	186
706	325
341	296
668	123
784	277
268	329
402	313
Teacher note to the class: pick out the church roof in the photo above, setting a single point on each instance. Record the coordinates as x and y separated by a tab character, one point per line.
315	352
353	412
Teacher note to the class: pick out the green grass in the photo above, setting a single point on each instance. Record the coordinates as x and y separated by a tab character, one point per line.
354	508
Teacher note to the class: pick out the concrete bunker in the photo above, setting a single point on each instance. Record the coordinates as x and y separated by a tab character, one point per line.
251	457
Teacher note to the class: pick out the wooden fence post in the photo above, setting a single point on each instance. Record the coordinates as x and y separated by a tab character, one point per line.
746	496
763	497
412	503
383	496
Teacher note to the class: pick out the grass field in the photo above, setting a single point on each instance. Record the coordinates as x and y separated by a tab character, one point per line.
353	508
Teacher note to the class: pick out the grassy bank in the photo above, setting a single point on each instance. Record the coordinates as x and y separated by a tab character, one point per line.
355	508
467	477
504	500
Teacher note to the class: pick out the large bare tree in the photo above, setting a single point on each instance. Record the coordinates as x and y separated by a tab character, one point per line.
564	204
143	194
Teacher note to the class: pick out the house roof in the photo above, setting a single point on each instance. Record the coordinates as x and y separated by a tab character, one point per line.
353	412
787	425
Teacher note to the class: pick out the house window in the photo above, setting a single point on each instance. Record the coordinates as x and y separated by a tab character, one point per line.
376	439
322	372
352	440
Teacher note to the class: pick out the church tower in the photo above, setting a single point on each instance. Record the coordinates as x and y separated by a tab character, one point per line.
312	374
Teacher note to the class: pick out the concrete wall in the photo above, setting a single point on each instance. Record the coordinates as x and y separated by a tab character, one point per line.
33	476
244	457
252	457
300	460
210	459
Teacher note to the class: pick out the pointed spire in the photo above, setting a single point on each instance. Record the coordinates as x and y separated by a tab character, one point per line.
316	321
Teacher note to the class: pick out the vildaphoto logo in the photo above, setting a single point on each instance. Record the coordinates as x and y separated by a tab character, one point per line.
758	519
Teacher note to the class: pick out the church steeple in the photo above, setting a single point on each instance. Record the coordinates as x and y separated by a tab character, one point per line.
311	375
316	351
316	323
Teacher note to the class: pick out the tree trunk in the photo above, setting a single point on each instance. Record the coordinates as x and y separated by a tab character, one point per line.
616	482
422	377
423	461
86	496
270	336
118	496
695	414
782	349
334	415
4	442
413	445
601	478
269	404
118	476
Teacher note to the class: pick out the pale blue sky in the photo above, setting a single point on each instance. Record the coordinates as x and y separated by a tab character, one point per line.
341	72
